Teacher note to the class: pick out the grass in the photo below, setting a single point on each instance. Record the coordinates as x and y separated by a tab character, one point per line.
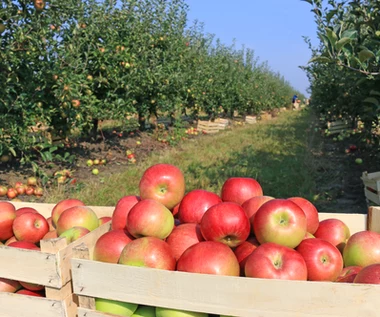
276	153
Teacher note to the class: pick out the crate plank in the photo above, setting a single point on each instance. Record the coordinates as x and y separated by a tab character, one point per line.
251	119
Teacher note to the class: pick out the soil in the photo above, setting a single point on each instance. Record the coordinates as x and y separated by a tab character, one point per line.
339	186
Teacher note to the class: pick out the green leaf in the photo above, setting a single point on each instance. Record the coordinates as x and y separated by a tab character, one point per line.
342	42
12	150
352	34
331	35
320	59
330	14
365	54
372	100
374	93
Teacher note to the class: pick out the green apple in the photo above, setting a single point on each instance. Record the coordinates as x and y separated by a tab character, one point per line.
358	161
95	171
90	162
145	311
115	307
167	312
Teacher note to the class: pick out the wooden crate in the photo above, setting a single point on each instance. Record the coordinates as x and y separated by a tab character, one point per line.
251	119
210	127
339	126
51	267
371	183
264	116
235	296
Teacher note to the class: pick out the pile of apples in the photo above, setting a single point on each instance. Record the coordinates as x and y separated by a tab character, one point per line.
30	188
25	227
240	232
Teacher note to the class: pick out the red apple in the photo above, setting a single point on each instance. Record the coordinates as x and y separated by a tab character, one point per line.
20	189
122	209
148	252
60	207
310	211
77	216
348	274
184	236
334	231
323	260
23	245
150	218
25	210
209	257
10	240
274	261
29	190
30	293
32	286
175	210
110	245
195	203
280	221
226	222
244	250
50	235
11	193
9	286
31	181
7	216
74	234
240	189
50	222
30	227
3	191
369	274
103	220
308	235
164	183
252	205
362	249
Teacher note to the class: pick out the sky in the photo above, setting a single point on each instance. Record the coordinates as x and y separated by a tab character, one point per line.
274	29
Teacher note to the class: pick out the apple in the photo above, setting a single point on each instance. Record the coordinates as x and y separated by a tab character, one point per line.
75	103
32	286
323	260
275	261
308	235
115	307
164	183
10	240
335	231
209	257
148	252
31	181
195	203
11	193
362	249
3	191
103	220
96	162
74	234
77	216
280	221
30	293
182	237
122	209
30	227
359	161
240	189
168	312
38	192
348	274
9	286
24	210
252	205
244	250
369	274
145	311
150	218
310	211
7	216
175	210
20	190
90	163
50	222
24	245
95	171
110	245
29	190
50	235
226	222
61	206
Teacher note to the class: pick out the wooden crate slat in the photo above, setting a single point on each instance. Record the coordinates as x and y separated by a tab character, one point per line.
251	119
371	183
375	198
237	296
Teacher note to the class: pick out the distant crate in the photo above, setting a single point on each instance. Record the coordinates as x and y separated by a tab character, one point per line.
371	183
251	119
211	127
265	116
339	126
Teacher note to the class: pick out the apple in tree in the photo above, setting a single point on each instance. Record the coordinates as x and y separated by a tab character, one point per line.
182	237
150	218
323	260
61	206
244	250
252	205
122	209
9	286
110	245
275	261
335	231
78	216
74	234
348	274
30	227
148	252
280	221
369	274
310	211
164	183
240	189
362	249
115	307
168	312
209	257
195	203
145	311
7	216
226	222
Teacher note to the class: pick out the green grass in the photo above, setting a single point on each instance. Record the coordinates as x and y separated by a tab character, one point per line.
276	153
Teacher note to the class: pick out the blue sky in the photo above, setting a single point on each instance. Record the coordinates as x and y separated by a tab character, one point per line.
272	28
